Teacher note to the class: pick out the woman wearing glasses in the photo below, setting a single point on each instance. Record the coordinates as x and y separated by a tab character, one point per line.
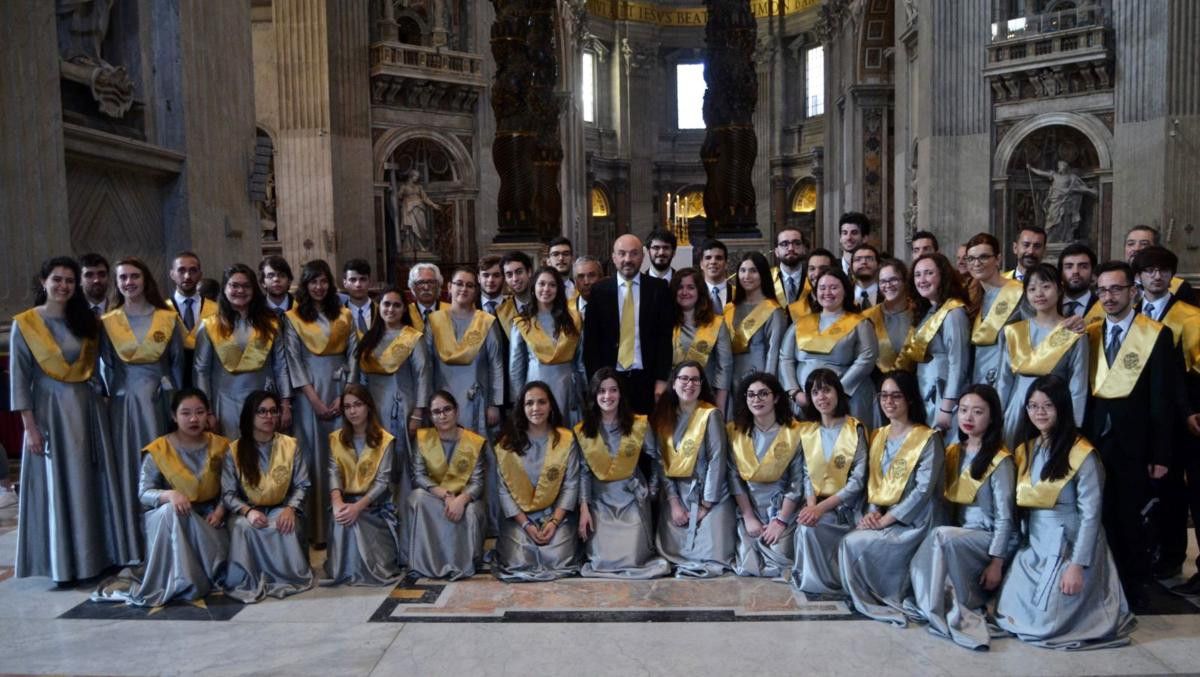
1062	590
904	496
445	524
892	323
754	320
765	477
696	525
544	345
464	346
264	481
1000	306
700	332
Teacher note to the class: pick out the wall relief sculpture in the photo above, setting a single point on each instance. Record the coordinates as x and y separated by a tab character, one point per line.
82	27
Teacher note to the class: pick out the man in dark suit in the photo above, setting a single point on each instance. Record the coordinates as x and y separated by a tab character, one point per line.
275	277
1077	265
635	341
1130	419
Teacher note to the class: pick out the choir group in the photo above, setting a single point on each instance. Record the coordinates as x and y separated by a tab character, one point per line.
986	452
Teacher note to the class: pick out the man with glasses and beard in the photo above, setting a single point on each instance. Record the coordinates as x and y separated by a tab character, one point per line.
790	282
660	249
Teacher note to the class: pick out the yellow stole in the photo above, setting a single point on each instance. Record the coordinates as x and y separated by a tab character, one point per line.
554	467
506	312
393	356
49	355
357	473
987	326
960	486
1045	493
207	309
234	358
886	490
703	341
1184	321
801	307
1176	283
197	489
1096	314
1026	360
888	354
681	463
916	350
273	484
1010	274
158	337
749	325
606	465
315	339
454	474
1119	379
414	314
456	351
546	349
827	480
810	339
774	462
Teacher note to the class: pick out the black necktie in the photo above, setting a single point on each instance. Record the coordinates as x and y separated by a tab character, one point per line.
864	300
189	316
1073	307
362	321
491	307
717	305
1114	345
96	309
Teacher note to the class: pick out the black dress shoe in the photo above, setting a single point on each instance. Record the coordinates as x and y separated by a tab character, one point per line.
1162	572
1189	589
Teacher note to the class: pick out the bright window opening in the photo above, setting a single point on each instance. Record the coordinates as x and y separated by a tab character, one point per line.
814	80
689	91
589	87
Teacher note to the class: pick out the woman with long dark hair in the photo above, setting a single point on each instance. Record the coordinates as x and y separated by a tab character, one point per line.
754	320
835	478
321	344
263	484
446	519
958	567
700	333
184	518
904	497
71	522
241	349
765	477
696	523
544	345
940	345
538	462
1062	590
614	495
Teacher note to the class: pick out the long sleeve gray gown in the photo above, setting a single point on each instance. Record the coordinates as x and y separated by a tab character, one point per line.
567	380
718	369
948	370
762	352
989	360
753	557
1072	367
437	547
368	551
852	359
227	391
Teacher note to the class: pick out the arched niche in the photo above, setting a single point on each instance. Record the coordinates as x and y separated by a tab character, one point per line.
803	199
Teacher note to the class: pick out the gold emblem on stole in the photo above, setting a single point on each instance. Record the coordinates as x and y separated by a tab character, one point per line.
281	474
159	337
839	461
1131	361
899	469
552	474
700	346
749	322
461	465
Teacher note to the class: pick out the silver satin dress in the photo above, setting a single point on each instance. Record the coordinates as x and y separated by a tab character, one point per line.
815	568
368	552
897	325
946	373
264	562
622	545
705	549
437	547
989	361
753	557
228	392
719	368
1012	387
567	380
477	385
875	562
71	521
518	558
762	353
852	359
1031	604
946	569
328	374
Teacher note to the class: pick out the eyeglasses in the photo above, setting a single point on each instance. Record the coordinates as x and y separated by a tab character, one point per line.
796	244
460	284
265	412
442	411
1152	271
353	405
688	379
863	259
1036	408
758	394
982	258
891	396
1113	290
425	283
237	286
889	282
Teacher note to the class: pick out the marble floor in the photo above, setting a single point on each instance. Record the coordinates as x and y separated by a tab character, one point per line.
483	627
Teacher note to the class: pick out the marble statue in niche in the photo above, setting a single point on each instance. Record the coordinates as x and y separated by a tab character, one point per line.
1063	201
412	206
82	27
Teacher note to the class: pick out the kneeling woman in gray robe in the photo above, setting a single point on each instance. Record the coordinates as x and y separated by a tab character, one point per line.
765	477
696	530
364	531
904	495
614	497
1062	590
834	477
264	482
958	567
538	462
446	519
184	520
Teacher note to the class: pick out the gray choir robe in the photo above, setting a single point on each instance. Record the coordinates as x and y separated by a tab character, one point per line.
762	353
897	326
1072	367
477	385
518	558
228	392
367	552
719	368
328	374
705	549
264	562
140	404
185	555
815	568
989	361
437	547
622	545
1031	604
946	373
852	359
567	381
753	557
875	562
71	521
945	571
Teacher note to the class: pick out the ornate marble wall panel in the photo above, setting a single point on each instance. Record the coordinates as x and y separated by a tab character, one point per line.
119	214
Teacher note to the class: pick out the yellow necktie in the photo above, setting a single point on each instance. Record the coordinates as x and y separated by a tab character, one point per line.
628	329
